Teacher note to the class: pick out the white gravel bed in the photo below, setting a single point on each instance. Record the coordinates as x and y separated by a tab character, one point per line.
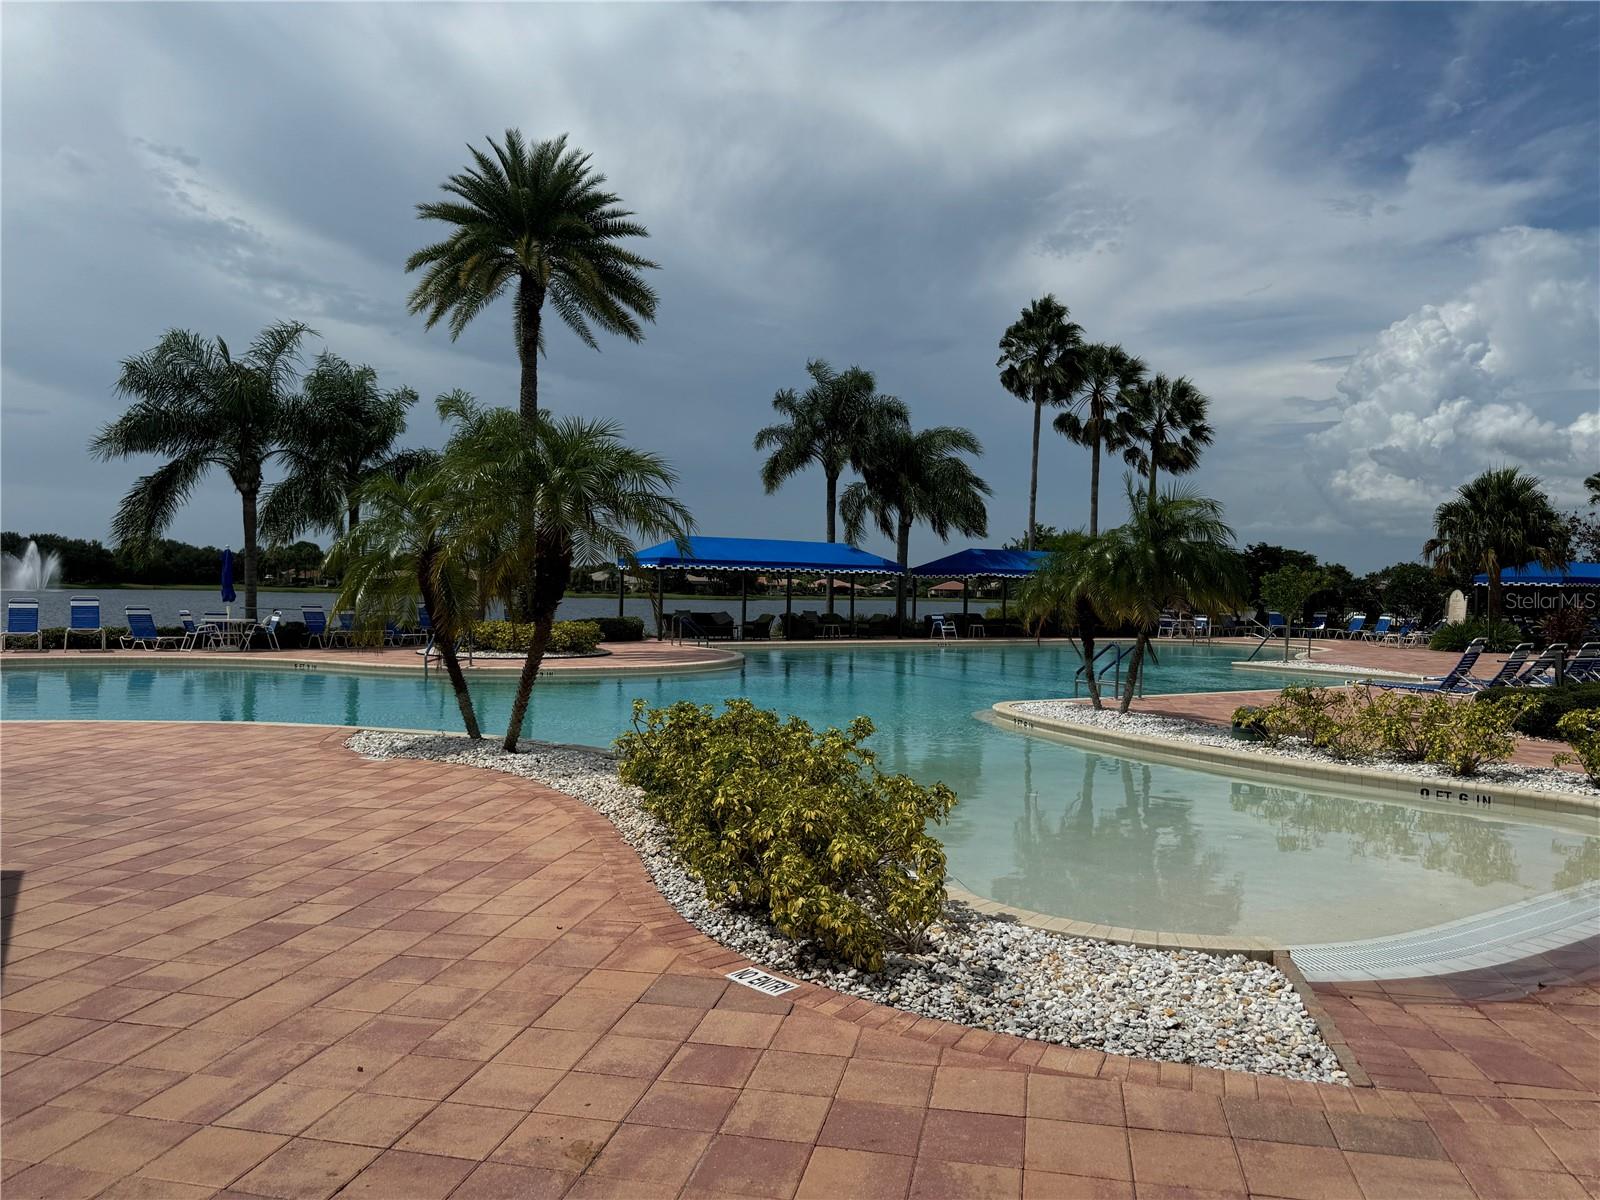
987	972
1203	733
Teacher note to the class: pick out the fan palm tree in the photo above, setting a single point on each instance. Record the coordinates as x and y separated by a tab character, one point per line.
200	407
1174	551
1039	365
909	478
1109	374
410	545
591	493
1500	519
537	219
340	430
1163	427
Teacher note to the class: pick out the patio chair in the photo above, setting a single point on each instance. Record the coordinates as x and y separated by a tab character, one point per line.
142	631
268	629
1276	625
214	628
22	620
718	626
1167	625
1202	625
1380	631
1585	665
345	629
830	625
1319	624
1507	672
1353	627
83	617
1399	636
1549	659
759	630
941	626
191	629
1451	681
316	625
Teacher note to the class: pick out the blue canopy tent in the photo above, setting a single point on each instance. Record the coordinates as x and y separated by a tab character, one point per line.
978	563
1532	591
760	554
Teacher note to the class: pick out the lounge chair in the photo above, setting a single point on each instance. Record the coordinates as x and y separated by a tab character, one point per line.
1549	659
1584	666
1167	625
142	631
1353	627
759	630
1401	634
830	625
1319	624
191	629
1380	631
1276	624
1452	680
268	629
1508	670
393	635
718	626
941	626
316	625
345	629
22	620
83	617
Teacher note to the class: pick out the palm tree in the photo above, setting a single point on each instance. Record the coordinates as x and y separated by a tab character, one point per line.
200	407
1174	550
540	219
1592	485
916	477
1059	592
1500	519
340	430
590	494
1164	428
1039	364
1109	374
410	545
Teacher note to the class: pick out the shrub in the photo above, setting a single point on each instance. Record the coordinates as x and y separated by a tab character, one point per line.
769	814
1403	724
1324	717
1500	635
619	629
1475	734
1581	727
1547	705
566	637
1569	625
1249	724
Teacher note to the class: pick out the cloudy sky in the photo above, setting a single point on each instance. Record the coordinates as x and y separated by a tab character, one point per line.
1368	233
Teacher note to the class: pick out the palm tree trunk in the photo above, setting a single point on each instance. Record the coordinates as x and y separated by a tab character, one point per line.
1094	485
353	516
1088	626
1152	481
529	302
555	569
1493	572
445	640
833	511
1135	663
903	552
1033	475
248	495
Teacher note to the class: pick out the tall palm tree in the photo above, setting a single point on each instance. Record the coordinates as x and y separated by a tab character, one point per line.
537	219
1164	428
1175	550
1109	374
410	545
1039	364
1500	519
339	431
200	407
909	478
591	493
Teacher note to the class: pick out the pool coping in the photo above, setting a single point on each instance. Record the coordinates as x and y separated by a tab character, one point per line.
1388	783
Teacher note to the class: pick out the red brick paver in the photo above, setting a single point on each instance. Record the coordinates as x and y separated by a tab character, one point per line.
245	962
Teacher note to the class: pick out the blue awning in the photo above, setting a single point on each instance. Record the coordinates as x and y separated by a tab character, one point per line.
977	563
1533	575
765	554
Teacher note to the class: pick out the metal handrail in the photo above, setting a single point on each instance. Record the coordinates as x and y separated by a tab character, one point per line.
1122	652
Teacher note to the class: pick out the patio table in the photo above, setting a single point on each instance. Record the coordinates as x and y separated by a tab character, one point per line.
234	632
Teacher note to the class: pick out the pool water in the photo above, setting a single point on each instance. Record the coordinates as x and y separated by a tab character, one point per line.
1040	824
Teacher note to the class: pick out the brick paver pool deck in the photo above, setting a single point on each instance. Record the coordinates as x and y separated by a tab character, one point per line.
245	962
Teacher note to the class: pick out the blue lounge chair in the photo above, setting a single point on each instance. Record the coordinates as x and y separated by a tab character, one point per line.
1319	624
1275	624
1452	680
1353	628
1167	626
192	633
84	617
142	631
1380	631
346	628
22	620
1585	665
1551	657
941	626
268	629
316	625
1508	670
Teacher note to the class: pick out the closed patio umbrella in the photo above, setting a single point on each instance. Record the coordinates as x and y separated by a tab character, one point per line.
228	594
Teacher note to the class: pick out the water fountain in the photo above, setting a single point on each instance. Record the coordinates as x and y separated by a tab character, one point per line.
31	571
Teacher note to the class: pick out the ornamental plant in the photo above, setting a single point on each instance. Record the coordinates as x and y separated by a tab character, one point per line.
773	816
1581	728
566	637
1327	718
1476	734
1402	724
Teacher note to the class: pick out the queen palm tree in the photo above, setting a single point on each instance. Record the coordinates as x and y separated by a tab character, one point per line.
1175	550
537	219
1163	427
340	430
200	407
1500	519
591	493
1039	364
909	478
411	545
1109	374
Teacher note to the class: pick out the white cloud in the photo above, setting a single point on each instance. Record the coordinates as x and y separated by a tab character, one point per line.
1506	372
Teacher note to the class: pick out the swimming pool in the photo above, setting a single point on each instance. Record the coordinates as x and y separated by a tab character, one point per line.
1040	824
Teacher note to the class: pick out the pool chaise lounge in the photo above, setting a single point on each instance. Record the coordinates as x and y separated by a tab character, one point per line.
1453	680
83	616
22	620
142	632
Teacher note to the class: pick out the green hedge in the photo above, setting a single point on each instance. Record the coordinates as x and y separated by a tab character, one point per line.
1546	706
774	816
566	637
620	629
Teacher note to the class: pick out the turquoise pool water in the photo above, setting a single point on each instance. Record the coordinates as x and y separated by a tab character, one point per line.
1041	825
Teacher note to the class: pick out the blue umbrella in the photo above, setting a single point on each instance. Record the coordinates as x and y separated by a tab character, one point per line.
228	594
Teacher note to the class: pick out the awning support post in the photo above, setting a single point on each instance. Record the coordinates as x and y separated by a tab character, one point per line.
622	593
744	599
